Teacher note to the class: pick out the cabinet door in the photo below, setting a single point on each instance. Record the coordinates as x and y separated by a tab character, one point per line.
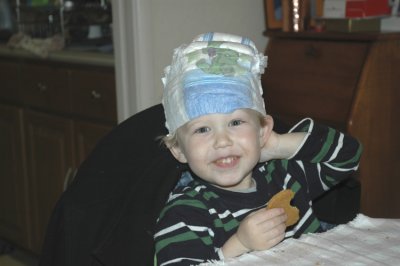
50	150
13	186
9	72
86	137
312	78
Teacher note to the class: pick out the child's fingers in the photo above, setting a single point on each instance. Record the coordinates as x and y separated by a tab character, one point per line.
264	215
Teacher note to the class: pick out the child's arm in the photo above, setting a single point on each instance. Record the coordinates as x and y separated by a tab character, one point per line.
260	230
323	156
281	146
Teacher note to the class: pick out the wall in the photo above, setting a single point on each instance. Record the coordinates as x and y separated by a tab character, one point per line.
159	26
178	21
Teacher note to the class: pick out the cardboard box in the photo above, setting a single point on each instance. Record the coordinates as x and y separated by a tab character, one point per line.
352	24
367	8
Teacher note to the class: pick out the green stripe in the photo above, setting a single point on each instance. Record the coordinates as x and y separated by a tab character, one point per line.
325	147
187	236
193	203
227	226
192	193
209	195
284	164
295	187
312	227
330	180
270	170
355	159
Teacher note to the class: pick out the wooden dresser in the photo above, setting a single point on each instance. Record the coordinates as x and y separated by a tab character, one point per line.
52	113
350	82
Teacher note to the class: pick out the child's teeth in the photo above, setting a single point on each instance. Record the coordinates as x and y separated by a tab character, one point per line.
226	160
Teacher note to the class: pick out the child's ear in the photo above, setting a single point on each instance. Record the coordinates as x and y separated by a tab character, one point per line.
266	129
178	153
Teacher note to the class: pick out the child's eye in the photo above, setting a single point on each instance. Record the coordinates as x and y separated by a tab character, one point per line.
202	130
236	122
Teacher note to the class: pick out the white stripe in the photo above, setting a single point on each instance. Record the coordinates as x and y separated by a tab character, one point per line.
180	259
227	212
338	147
299	224
179	225
286	181
341	169
170	229
300	163
220	253
198	188
220	215
174	196
306	136
177	195
241	212
324	186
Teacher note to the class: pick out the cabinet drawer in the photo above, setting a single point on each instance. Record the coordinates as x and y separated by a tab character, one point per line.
93	94
312	78
45	86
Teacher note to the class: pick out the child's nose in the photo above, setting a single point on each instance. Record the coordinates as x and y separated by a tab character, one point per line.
222	139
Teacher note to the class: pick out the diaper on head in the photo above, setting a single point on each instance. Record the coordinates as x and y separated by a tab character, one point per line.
215	73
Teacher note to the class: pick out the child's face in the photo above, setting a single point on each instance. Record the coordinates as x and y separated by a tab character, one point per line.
222	148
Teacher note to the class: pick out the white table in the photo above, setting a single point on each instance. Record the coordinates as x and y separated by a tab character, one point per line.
363	241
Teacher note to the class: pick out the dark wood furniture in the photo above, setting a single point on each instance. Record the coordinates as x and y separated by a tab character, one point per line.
51	116
351	82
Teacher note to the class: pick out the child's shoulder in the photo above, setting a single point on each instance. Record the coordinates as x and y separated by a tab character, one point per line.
194	190
191	198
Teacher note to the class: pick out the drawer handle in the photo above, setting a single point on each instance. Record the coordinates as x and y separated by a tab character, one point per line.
96	95
41	87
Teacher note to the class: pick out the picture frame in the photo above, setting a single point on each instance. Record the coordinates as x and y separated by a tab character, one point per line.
274	14
276	11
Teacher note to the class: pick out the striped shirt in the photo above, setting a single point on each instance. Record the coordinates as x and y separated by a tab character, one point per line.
199	218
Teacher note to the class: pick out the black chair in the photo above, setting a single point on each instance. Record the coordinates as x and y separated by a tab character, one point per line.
108	213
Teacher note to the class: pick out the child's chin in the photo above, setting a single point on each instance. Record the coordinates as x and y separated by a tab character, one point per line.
230	185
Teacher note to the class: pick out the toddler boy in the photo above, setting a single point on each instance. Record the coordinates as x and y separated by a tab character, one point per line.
218	125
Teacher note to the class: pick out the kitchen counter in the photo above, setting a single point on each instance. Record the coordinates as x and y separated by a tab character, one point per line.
67	56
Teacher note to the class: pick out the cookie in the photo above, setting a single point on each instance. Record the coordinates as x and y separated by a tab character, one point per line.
282	200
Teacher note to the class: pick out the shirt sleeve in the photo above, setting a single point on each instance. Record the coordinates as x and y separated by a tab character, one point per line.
327	155
184	235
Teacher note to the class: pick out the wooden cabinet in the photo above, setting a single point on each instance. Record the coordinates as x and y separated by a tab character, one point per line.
351	82
50	153
10	80
49	123
45	86
13	180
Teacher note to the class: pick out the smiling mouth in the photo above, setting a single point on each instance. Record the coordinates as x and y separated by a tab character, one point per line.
227	161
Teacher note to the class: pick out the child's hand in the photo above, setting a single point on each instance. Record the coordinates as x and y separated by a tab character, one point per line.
262	229
281	146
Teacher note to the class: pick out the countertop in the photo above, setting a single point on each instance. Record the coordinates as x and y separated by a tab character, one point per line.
66	55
